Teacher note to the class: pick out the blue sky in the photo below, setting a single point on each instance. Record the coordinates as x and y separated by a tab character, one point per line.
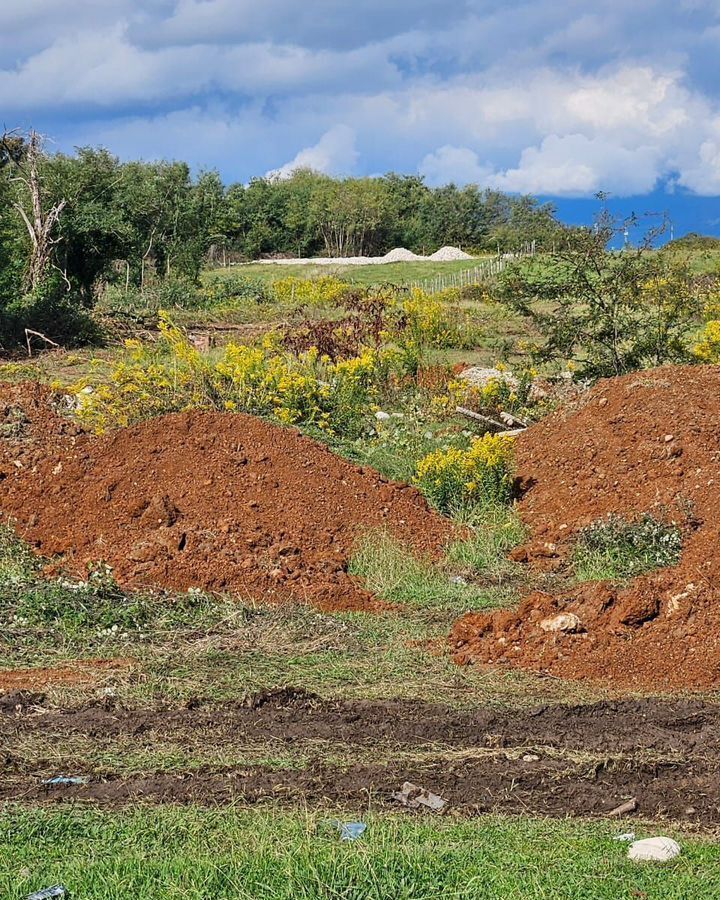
560	98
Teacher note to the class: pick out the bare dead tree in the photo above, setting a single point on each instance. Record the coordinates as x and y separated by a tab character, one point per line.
39	222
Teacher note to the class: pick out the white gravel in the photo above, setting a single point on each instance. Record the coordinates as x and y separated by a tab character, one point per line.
399	254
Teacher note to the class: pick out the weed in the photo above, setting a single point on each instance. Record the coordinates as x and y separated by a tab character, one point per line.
481	474
616	549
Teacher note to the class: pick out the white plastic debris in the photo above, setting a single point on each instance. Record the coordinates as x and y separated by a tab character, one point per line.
382	416
625	838
65	780
657	849
351	831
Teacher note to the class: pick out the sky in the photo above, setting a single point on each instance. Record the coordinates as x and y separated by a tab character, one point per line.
558	98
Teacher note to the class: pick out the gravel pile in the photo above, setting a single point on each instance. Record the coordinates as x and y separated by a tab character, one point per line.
398	254
449	254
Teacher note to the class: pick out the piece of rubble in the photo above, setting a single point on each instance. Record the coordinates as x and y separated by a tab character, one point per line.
414	797
565	622
628	807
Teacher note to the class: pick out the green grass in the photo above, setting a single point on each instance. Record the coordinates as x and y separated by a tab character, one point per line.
194	854
496	530
470	578
400	273
393	573
220	648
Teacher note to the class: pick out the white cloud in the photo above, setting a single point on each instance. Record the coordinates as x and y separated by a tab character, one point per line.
574	165
540	96
334	154
454	164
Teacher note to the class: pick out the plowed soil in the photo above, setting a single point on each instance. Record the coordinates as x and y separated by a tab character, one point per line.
550	760
646	442
216	501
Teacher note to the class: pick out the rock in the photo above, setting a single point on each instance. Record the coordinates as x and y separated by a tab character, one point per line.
657	849
382	416
566	622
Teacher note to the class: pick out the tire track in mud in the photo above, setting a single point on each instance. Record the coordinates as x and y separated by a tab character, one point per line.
551	760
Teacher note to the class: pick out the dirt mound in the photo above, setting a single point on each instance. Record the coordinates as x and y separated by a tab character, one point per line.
646	442
215	501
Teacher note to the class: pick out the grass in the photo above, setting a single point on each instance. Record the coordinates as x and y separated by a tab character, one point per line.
221	649
401	273
470	578
496	530
391	572
193	854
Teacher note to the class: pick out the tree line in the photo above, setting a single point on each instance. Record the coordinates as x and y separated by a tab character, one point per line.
71	224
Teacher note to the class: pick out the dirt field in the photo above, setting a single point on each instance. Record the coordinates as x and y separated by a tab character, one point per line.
323	701
582	761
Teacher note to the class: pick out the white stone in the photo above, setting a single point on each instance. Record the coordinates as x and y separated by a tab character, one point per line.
657	849
382	416
562	622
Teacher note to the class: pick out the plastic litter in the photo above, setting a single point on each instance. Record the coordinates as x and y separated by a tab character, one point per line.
351	831
657	849
414	797
627	836
57	890
63	779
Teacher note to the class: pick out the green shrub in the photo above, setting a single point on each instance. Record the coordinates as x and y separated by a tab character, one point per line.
236	290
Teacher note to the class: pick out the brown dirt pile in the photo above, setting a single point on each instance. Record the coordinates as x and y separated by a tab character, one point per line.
646	442
217	501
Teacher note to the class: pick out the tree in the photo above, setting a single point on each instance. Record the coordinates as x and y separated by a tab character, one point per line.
611	312
39	220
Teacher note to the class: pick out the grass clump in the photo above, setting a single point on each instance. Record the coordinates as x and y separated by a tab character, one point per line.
392	573
496	530
469	578
616	549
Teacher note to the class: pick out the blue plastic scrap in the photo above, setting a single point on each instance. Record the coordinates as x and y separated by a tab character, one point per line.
57	890
351	831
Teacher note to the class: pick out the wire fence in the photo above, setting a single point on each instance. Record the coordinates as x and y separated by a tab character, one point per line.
475	275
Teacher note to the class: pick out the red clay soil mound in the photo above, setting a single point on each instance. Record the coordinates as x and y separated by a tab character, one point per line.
217	501
646	442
